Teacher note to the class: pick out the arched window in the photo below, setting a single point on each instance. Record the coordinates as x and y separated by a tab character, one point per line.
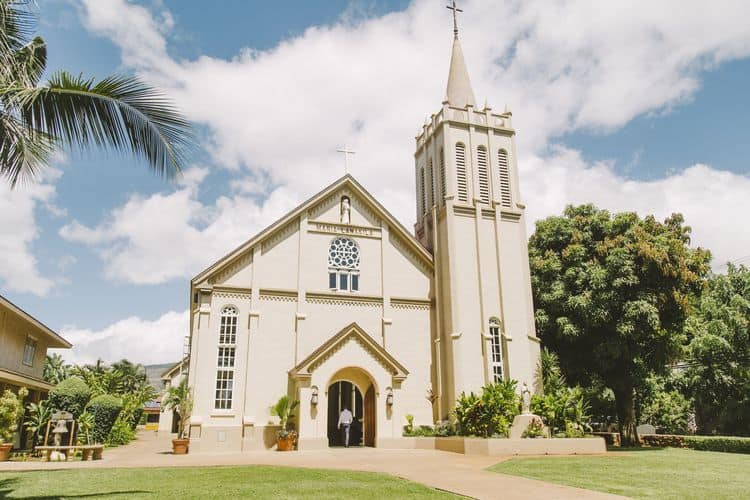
422	193
503	168
484	179
497	351
462	186
442	176
431	181
343	265
225	358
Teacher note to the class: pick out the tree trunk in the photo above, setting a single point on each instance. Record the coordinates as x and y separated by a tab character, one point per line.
625	402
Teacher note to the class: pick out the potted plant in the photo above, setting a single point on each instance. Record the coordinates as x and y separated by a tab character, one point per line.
11	411
283	409
179	399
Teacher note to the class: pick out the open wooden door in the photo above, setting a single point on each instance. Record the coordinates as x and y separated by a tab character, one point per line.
370	411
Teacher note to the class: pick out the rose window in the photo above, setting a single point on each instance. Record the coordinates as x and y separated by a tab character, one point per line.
343	253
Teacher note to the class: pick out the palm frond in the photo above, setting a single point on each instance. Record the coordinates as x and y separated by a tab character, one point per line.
22	151
17	24
30	62
119	112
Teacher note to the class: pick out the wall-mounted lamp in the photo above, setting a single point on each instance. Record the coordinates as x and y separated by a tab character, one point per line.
314	397
389	397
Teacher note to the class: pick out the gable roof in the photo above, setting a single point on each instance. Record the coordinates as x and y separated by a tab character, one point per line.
352	331
55	340
345	181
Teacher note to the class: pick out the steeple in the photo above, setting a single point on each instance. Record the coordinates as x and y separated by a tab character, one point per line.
458	93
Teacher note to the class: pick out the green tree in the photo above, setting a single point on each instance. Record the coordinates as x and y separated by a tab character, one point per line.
119	112
179	399
55	370
611	295
718	354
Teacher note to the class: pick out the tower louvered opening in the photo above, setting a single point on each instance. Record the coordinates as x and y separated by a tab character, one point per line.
442	176
484	180
461	184
503	168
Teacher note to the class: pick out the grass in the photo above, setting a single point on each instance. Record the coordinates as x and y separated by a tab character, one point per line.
643	473
209	482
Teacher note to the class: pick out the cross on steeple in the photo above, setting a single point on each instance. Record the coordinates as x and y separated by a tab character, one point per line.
346	152
455	18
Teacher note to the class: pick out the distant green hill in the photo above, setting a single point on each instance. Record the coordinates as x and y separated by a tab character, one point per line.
153	372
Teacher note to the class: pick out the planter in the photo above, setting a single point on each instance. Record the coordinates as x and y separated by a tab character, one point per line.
87	454
285	444
5	451
180	446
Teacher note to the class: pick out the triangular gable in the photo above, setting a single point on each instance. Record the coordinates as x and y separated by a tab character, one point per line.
305	368
346	181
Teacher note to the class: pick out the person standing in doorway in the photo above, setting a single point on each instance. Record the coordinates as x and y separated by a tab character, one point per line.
345	420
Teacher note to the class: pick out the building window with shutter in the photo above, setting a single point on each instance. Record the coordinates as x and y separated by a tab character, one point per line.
484	179
497	351
422	193
431	182
227	351
462	186
504	171
29	351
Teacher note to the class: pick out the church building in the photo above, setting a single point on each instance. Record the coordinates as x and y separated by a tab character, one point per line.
337	304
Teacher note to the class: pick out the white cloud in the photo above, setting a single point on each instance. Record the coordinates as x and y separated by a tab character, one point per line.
276	116
19	268
141	341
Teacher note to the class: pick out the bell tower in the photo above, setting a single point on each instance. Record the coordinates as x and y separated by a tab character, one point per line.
470	216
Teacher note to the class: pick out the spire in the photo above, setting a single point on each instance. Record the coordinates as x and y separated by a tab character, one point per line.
459	93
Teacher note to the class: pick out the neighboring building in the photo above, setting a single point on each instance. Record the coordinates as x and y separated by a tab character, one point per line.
168	419
24	341
337	304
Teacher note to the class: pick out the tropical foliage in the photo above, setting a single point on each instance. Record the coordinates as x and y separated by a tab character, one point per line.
179	399
612	293
490	413
37	417
284	409
36	118
11	412
71	395
55	369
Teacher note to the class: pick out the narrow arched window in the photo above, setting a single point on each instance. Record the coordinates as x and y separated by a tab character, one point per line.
484	179
422	193
431	182
462	186
225	359
504	171
442	176
497	350
343	265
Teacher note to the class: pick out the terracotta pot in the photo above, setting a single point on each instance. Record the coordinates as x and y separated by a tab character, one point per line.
285	444
5	451
87	454
180	446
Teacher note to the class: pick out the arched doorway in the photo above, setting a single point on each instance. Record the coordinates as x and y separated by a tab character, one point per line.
351	388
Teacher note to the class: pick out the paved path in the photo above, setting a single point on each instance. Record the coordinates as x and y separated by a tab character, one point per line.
452	472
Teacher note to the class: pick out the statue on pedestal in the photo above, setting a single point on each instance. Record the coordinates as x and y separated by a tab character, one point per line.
525	400
346	211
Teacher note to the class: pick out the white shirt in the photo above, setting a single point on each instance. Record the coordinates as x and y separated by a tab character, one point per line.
345	417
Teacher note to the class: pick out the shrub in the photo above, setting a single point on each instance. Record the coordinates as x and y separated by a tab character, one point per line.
105	409
669	412
70	395
534	429
565	411
727	444
489	414
121	433
445	428
11	411
409	427
421	431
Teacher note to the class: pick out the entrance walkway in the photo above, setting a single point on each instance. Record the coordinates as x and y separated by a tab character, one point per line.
461	474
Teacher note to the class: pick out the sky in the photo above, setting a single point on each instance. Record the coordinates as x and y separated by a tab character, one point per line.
637	105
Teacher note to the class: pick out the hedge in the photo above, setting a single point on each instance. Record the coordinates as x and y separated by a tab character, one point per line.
70	395
727	444
105	409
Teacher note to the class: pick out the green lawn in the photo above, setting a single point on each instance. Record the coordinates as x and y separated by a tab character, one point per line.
209	482
644	473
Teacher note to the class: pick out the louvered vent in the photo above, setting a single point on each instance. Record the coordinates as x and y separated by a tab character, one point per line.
461	184
431	181
442	176
484	180
422	192
502	165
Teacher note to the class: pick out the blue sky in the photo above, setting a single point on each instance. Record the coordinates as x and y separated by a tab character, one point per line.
627	120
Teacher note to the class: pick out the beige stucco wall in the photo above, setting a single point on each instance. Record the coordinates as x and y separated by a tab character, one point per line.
13	332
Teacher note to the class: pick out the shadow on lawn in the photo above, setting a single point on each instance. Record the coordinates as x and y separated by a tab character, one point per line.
634	450
8	487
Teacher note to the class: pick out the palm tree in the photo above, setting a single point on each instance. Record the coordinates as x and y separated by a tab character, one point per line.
178	398
119	112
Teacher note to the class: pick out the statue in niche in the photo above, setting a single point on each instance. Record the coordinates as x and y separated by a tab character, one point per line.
526	399
346	209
